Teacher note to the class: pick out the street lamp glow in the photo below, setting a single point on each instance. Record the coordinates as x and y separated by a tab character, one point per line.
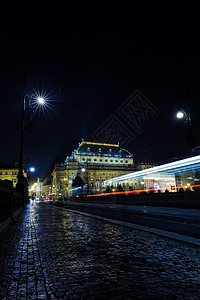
40	100
83	169
180	114
32	169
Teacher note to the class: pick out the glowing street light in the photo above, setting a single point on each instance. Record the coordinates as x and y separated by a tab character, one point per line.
32	169
180	114
40	100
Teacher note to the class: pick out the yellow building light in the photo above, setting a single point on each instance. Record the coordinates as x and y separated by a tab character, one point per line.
98	144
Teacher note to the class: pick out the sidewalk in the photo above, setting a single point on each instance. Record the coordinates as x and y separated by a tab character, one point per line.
51	253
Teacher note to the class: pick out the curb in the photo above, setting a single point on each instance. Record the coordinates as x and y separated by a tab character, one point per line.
164	233
168	234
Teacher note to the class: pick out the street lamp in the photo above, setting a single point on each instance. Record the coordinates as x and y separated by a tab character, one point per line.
182	114
25	118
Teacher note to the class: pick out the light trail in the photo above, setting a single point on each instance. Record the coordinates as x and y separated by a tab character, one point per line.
142	191
184	163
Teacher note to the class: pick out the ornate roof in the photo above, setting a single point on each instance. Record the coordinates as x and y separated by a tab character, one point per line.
91	148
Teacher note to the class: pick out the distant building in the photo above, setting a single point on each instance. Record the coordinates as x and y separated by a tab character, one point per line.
10	172
47	187
89	166
38	188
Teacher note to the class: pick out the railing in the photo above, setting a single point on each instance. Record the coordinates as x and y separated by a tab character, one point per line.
10	200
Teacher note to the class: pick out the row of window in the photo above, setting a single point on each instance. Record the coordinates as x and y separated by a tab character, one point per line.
99	150
106	160
8	173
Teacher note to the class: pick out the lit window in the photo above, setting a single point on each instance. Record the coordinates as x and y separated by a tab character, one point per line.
88	149
99	149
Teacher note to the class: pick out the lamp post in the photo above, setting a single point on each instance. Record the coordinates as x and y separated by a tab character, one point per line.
182	114
26	106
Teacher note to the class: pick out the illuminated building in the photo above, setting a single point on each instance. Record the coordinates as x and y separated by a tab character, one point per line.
90	165
46	187
10	172
38	188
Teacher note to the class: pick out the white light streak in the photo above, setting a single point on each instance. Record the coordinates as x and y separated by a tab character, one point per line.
183	163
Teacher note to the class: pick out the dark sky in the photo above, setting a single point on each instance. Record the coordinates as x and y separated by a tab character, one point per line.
88	60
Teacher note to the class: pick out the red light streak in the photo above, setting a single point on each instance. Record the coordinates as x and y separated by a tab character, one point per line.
141	191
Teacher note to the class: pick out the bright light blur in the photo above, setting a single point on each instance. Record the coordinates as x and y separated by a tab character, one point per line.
32	169
180	114
40	100
83	169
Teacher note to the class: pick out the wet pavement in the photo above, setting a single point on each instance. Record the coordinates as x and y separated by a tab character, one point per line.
51	253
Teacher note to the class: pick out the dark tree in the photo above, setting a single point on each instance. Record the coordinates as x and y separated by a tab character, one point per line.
77	182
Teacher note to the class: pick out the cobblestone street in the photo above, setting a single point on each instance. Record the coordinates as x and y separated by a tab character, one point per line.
50	253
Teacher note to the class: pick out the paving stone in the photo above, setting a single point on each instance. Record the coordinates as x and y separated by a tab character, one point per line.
51	253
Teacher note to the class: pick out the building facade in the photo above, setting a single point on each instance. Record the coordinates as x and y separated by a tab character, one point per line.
89	166
47	187
10	172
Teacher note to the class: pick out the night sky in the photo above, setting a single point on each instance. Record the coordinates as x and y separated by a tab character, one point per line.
87	61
